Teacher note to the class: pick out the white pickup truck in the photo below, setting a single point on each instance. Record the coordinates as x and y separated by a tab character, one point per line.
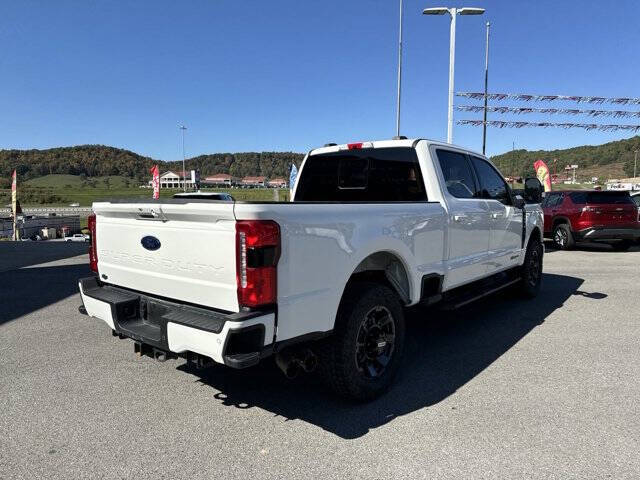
321	280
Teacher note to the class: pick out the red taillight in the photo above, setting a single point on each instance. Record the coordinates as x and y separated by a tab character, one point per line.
93	251
257	254
354	146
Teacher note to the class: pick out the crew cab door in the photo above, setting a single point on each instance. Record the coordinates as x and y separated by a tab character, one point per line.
505	240
469	220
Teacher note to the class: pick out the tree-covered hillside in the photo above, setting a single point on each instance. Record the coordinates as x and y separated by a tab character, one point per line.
100	160
520	162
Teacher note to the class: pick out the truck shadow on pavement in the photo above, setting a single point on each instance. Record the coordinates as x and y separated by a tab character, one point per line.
443	352
26	290
550	247
22	254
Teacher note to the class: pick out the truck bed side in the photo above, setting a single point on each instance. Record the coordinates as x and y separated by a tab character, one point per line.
324	243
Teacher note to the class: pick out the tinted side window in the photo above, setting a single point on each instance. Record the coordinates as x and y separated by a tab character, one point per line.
553	200
603	198
579	198
366	175
457	173
492	185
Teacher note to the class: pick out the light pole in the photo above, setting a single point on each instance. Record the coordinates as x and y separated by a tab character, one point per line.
486	92
399	73
453	13
635	163
184	172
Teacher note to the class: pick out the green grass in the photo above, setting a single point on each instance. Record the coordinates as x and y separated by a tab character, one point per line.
67	189
562	186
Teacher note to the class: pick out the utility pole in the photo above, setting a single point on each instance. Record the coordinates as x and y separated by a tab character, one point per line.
486	92
635	163
399	73
184	171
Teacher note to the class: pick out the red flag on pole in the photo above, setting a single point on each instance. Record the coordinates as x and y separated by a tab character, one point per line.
155	172
14	191
14	203
542	172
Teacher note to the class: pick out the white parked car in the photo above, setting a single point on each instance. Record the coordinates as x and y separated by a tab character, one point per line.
204	196
322	280
77	237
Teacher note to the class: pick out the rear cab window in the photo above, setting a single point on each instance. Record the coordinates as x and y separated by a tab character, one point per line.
362	175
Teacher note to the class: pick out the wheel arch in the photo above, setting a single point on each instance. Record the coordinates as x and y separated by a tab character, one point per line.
386	267
536	231
558	221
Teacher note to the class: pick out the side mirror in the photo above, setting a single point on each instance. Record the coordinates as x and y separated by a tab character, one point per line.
532	190
518	201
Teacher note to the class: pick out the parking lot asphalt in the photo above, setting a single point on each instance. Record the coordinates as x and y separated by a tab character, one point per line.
505	388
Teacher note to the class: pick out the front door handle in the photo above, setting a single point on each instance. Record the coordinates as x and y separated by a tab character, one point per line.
459	218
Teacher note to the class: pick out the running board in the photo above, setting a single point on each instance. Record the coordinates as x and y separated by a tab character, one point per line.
458	301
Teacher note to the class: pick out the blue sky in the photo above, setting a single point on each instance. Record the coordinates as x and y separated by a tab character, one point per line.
291	75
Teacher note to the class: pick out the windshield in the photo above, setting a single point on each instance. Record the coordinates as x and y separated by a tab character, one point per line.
363	175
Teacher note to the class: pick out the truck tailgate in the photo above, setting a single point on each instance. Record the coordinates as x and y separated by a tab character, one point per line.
188	251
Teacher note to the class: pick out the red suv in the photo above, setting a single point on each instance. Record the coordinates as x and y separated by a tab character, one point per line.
591	216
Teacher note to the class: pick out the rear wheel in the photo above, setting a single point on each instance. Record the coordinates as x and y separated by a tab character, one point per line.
532	269
562	237
361	359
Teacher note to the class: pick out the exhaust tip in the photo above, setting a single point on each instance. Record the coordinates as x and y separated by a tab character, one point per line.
310	361
289	364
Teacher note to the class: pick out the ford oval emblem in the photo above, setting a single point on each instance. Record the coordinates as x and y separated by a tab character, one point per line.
150	243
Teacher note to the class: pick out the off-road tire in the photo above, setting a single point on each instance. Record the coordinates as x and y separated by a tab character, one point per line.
339	355
529	285
563	237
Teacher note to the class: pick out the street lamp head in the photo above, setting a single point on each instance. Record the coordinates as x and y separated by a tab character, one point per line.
471	11
435	11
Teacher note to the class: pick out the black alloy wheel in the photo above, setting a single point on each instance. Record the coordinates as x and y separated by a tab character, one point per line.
534	270
375	341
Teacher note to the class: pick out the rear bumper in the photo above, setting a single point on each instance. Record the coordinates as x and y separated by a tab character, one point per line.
237	340
606	233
